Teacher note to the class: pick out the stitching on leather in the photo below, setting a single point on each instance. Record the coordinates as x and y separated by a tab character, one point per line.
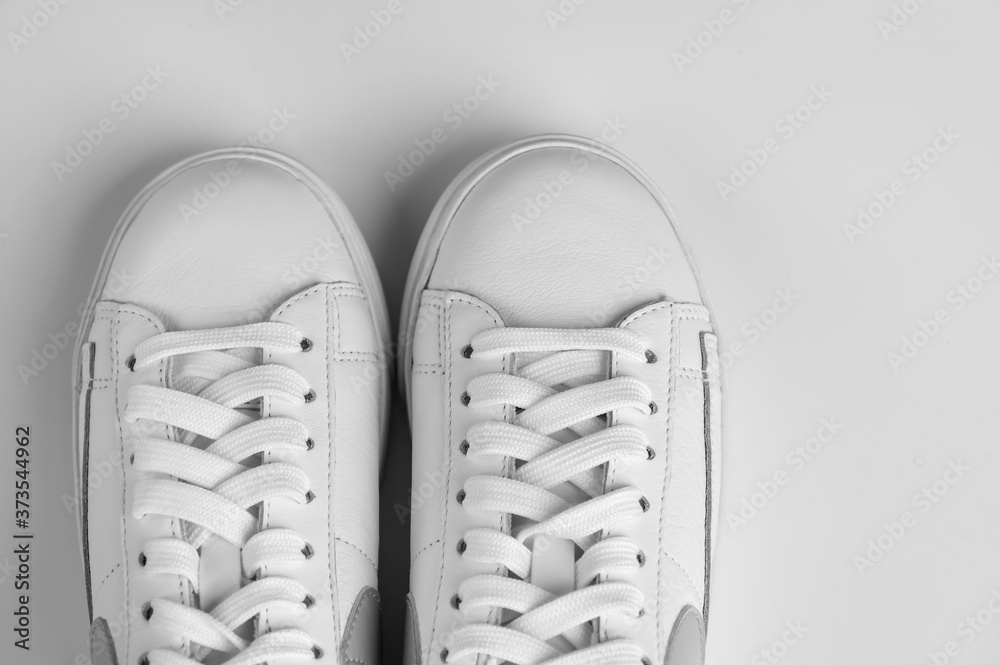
363	553
422	550
121	443
630	319
445	325
367	593
101	585
427	371
675	354
331	461
682	569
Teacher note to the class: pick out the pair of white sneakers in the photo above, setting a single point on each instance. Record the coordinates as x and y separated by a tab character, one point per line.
562	377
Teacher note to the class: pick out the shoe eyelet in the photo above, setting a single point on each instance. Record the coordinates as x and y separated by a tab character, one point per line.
310	444
310	396
142	559
306	344
308	601
467	351
308	551
462	546
644	504
131	459
641	558
147	611
653	408
465	399
317	652
130	363
310	496
650	356
650	453
456	602
460	496
444	655
646	661
143	659
464	447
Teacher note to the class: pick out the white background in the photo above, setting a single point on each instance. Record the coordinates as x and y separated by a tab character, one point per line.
889	93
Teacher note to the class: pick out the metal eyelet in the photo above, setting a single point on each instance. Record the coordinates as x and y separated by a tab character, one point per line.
456	602
308	601
130	363
444	655
147	611
317	652
142	559
308	551
465	399
144	659
310	496
641	558
650	356
644	504
460	496
650	453
467	351
653	408
461	547
464	447
646	661
310	444
310	396
306	344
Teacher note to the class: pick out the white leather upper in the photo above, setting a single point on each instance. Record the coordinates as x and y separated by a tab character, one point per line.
586	262
601	250
268	247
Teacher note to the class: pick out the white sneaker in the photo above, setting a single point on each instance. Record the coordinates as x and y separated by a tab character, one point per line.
232	401
562	378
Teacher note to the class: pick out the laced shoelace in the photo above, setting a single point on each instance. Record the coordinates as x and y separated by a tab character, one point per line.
219	380
561	383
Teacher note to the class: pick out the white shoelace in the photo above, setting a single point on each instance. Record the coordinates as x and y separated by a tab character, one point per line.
561	383
210	489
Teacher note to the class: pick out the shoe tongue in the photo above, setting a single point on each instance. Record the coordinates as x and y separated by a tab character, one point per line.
219	572
553	564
